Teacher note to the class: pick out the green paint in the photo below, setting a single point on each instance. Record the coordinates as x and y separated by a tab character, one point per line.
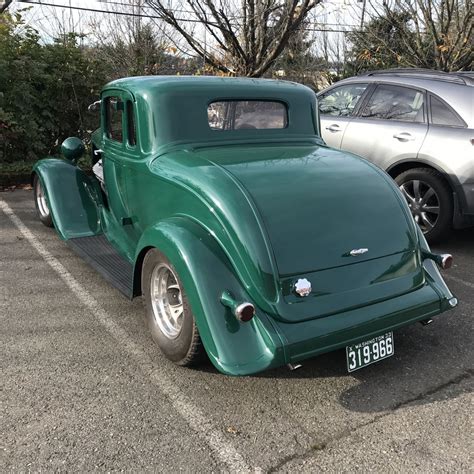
249	212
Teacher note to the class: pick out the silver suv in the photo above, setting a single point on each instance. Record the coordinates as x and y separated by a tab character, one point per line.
418	125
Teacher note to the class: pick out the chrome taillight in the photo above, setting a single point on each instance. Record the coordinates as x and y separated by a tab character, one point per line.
243	311
446	261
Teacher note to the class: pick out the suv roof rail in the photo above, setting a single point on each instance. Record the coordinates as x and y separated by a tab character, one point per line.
462	77
464	73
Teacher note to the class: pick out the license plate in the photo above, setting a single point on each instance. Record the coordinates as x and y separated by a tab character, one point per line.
367	352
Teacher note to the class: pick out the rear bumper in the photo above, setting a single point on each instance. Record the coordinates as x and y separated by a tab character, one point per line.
272	343
310	338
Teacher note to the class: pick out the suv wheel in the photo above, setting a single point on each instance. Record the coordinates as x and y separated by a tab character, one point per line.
430	200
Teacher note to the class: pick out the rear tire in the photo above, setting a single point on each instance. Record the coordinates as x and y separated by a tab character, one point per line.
430	200
167	311
41	204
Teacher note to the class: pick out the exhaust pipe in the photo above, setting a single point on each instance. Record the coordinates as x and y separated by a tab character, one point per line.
294	366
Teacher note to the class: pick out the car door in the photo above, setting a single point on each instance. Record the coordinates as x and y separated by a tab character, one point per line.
336	107
390	125
114	158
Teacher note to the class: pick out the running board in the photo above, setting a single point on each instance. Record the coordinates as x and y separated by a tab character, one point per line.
102	256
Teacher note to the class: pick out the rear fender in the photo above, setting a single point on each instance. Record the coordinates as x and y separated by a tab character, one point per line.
73	198
234	348
433	275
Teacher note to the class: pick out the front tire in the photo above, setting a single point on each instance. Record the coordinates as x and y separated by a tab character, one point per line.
167	311
42	208
430	200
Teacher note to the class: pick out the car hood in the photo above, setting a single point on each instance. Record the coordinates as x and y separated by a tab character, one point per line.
318	205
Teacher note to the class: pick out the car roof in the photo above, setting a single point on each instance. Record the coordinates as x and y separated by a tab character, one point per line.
140	85
184	101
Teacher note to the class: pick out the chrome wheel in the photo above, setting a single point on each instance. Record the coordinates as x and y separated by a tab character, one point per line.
166	301
423	202
41	201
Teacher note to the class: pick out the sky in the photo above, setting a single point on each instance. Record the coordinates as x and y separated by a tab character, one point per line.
331	15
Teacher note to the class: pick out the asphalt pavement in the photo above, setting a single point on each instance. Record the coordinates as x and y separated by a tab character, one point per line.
84	388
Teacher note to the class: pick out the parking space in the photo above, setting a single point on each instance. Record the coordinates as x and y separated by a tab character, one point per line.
84	387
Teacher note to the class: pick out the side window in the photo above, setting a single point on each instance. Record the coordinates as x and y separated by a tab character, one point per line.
395	103
131	127
341	101
113	118
442	114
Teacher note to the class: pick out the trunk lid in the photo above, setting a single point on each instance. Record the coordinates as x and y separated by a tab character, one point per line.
318	205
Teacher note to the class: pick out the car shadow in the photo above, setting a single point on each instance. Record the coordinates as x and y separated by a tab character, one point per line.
460	241
425	362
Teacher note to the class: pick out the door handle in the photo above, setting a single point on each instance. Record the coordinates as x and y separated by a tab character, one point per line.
334	128
404	136
98	152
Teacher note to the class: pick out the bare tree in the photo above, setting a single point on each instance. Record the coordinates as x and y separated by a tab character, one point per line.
4	5
129	42
235	39
422	33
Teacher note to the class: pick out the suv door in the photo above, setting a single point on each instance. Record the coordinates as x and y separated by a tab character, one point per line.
390	126
336	107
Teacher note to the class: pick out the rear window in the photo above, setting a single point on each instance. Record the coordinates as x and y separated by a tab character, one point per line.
442	114
247	114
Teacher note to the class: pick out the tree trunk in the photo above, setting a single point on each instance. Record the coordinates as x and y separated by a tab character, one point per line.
4	5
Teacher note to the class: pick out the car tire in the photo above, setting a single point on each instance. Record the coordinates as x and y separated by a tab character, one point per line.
430	200
176	335
41	204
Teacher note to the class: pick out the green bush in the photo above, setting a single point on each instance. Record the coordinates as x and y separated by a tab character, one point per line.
44	91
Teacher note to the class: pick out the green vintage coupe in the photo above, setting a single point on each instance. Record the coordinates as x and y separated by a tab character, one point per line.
249	239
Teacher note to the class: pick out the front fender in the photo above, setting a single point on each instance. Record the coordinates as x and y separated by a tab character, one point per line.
73	198
234	348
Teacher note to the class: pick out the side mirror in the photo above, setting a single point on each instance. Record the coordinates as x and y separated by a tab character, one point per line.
72	148
94	106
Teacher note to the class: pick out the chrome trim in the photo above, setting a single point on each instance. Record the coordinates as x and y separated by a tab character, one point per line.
94	105
166	301
446	261
41	200
239	310
293	366
357	252
303	287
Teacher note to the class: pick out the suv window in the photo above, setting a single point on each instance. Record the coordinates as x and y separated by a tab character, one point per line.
247	114
395	103
442	114
113	118
342	100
